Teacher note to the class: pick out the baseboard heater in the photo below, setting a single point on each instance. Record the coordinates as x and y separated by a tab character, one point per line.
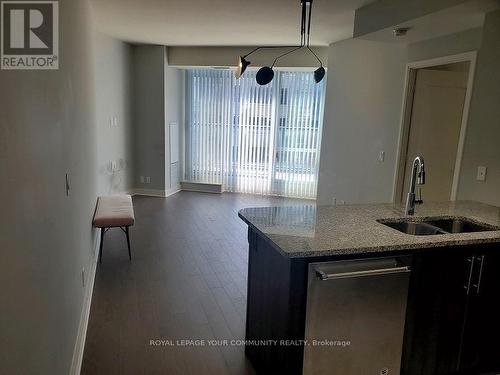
201	187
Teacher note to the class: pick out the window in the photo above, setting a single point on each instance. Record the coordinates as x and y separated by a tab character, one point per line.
251	138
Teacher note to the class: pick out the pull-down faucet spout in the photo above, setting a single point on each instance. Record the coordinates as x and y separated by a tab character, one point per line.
417	177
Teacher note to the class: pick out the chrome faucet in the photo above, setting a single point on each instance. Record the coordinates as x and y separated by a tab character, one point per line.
417	177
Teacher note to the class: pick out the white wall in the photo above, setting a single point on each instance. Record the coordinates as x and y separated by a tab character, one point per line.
47	129
363	107
483	131
174	114
113	80
482	143
452	44
362	118
149	116
158	101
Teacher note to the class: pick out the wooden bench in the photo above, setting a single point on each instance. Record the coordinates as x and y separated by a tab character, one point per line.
114	211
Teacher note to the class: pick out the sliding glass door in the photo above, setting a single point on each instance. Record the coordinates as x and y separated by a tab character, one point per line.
251	138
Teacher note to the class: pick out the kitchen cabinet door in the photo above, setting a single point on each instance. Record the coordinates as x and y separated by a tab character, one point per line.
481	341
435	314
275	309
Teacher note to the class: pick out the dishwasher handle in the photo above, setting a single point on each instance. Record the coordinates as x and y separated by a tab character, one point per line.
372	272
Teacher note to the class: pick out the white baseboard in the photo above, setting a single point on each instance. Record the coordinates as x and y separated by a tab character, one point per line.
173	191
155	192
76	363
149	192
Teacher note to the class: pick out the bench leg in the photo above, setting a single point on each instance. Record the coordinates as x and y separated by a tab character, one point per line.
100	246
128	244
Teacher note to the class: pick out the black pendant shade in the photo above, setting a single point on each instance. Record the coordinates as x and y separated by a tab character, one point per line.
264	75
319	74
242	66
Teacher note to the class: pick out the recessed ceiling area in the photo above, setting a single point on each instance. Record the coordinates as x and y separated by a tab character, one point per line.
223	22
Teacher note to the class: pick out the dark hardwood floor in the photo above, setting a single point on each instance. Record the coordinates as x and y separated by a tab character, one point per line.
186	281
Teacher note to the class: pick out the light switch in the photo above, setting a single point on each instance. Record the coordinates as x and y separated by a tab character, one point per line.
481	174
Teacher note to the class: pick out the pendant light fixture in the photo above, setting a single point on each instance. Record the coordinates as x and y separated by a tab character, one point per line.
266	73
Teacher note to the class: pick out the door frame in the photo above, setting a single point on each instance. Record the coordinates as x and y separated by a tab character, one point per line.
404	131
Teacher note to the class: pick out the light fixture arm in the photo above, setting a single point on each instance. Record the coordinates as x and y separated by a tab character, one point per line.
265	74
302	32
265	47
284	54
317	58
305	27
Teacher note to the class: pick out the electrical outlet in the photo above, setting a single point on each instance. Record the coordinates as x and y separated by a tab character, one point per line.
113	166
142	179
481	174
381	156
83	277
334	201
148	180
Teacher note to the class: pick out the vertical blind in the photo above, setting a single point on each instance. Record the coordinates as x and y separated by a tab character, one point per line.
252	138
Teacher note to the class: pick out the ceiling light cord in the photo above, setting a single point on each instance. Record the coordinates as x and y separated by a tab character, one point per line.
303	23
309	23
309	35
306	15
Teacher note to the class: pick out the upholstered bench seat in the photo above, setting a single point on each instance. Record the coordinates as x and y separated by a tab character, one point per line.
114	211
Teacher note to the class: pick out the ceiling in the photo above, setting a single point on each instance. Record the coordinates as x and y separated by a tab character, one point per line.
223	22
465	16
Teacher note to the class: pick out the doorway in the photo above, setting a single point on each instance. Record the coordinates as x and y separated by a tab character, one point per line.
434	125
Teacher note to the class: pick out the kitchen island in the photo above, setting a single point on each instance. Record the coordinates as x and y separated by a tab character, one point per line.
451	306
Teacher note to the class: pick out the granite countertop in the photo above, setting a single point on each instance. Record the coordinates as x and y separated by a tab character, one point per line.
309	230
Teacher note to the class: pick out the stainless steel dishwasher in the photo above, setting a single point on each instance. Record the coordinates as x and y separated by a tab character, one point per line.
355	317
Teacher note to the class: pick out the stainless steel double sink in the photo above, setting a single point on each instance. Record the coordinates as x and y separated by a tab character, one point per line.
437	225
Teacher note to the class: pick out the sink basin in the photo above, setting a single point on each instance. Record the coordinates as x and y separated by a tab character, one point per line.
460	225
414	228
437	225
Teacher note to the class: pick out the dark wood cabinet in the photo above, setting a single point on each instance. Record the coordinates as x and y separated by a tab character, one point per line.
453	309
481	337
452	320
275	309
435	312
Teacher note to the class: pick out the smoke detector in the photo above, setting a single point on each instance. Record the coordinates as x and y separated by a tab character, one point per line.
400	31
